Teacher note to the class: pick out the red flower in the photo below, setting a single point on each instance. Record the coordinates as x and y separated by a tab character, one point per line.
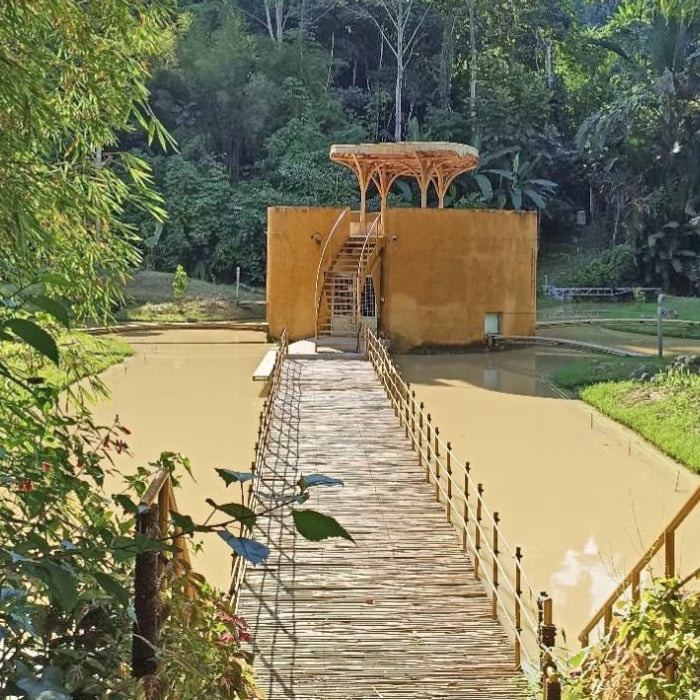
25	485
45	466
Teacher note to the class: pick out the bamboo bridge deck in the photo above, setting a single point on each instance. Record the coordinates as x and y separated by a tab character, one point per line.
399	614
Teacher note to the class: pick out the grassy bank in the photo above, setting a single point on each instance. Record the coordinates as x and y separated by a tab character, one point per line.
81	355
665	411
149	297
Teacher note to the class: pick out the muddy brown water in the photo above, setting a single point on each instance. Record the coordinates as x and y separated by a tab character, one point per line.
583	502
584	498
190	391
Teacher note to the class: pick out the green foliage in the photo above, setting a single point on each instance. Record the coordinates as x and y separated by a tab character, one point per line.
181	283
665	411
597	370
614	267
652	650
73	80
201	640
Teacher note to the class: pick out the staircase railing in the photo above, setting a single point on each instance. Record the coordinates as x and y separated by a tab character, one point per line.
527	616
258	465
667	541
324	263
363	268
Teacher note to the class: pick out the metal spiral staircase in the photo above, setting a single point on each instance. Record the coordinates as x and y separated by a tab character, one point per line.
341	280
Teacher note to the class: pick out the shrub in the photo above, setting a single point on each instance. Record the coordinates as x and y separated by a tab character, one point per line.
181	283
612	268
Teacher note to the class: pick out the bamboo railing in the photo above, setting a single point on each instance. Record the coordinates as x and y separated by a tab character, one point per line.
153	521
258	464
525	615
364	265
632	582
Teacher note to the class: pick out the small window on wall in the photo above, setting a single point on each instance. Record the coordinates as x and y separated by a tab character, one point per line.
492	324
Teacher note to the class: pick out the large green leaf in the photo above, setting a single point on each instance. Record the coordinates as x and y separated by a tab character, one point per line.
318	480
316	526
250	550
51	307
34	336
231	477
484	185
236	510
113	588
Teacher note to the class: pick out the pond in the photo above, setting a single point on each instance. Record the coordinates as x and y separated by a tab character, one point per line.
583	496
190	391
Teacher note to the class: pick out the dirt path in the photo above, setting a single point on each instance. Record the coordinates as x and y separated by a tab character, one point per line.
191	392
583	502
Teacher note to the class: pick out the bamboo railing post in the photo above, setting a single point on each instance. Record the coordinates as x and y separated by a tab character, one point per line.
465	507
406	408
547	633
635	584
669	553
413	419
428	443
494	567
518	606
420	434
437	464
448	459
477	534
164	508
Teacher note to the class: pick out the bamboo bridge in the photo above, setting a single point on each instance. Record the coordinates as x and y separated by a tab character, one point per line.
419	606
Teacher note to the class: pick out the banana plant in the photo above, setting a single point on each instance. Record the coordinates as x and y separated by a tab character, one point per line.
514	183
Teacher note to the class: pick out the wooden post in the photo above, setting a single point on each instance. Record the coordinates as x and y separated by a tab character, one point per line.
448	458
413	419
465	507
494	568
518	606
428	443
406	408
547	634
635	586
437	464
670	553
477	534
420	434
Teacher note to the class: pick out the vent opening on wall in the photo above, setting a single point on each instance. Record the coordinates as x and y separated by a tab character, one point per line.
492	324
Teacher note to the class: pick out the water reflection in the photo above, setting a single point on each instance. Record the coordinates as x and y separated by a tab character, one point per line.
524	371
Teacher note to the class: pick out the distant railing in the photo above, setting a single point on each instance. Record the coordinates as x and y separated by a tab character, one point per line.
324	263
362	268
258	465
567	293
496	564
153	522
632	582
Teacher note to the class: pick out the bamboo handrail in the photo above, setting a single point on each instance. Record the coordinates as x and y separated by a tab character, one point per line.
633	579
481	533
320	271
239	565
363	269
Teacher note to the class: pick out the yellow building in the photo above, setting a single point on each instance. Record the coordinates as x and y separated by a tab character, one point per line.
422	277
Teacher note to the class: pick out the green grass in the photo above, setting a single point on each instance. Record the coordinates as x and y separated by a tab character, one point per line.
81	355
687	308
594	370
149	297
666	413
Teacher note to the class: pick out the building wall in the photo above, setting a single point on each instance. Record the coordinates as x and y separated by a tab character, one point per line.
292	262
448	267
445	269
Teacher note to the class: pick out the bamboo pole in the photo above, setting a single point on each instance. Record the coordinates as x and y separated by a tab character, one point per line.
477	534
448	458
428	443
518	606
437	463
494	567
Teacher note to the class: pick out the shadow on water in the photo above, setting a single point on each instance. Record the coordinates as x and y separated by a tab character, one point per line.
522	371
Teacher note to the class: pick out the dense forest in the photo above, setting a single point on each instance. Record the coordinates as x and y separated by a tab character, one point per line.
575	106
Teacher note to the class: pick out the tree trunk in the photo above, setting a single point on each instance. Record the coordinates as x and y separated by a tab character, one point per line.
279	20
472	66
398	123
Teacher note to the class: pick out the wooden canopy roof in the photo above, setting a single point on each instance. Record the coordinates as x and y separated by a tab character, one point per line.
426	161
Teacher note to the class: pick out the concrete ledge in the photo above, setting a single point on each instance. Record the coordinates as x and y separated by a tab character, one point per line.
264	369
261	326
